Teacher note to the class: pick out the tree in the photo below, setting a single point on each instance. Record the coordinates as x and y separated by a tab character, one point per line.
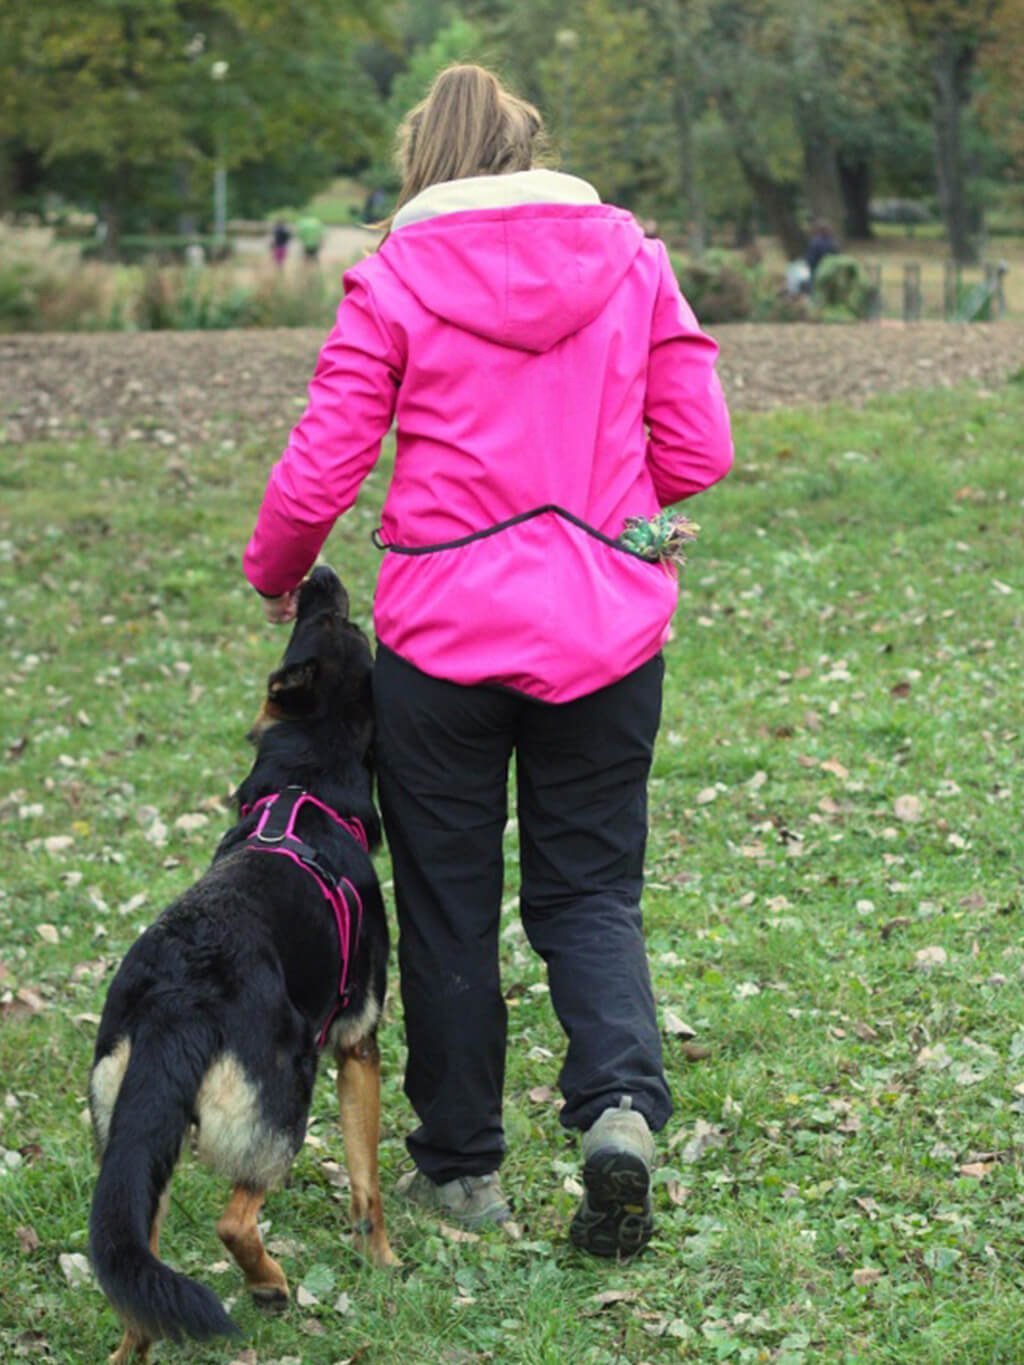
949	35
131	103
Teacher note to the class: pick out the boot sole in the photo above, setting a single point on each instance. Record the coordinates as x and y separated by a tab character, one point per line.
615	1217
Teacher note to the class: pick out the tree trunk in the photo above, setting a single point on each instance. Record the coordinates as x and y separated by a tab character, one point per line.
670	19
693	207
821	178
855	184
776	199
951	73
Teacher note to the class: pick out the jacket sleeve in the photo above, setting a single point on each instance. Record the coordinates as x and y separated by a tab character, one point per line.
689	444
332	449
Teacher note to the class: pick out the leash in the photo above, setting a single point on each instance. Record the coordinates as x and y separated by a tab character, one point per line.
275	833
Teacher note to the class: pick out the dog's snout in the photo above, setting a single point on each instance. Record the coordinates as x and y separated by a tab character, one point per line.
323	588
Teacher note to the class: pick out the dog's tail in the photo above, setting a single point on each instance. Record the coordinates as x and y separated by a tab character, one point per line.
147	1128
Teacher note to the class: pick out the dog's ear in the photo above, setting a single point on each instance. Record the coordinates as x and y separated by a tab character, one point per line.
292	687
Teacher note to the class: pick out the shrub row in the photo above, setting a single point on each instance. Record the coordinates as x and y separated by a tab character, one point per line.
36	297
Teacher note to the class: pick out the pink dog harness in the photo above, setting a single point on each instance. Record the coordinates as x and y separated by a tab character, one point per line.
275	833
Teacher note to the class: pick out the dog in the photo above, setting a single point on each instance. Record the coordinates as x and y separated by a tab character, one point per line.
214	1021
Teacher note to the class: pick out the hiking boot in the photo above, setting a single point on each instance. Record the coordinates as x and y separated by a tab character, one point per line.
614	1217
472	1201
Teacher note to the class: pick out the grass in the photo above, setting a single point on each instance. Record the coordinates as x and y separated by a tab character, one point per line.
836	799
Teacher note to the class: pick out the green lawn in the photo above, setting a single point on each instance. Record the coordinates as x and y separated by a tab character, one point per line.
834	907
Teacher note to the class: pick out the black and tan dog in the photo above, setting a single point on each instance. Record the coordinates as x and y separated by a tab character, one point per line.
214	1020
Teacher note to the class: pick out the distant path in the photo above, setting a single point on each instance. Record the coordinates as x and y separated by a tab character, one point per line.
177	389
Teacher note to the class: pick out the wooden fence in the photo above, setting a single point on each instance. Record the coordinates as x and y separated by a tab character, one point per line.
960	293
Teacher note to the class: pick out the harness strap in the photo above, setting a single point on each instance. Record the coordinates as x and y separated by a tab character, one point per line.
275	833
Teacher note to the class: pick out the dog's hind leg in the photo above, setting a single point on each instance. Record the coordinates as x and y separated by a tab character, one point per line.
134	1347
237	1229
359	1103
135	1344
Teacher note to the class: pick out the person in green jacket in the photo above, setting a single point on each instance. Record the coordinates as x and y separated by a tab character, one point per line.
311	234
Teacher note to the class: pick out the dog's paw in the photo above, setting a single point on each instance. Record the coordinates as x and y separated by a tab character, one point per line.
270	1298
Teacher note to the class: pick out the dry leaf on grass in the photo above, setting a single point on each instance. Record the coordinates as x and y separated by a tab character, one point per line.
457	1234
609	1297
866	1276
927	958
908	809
675	1027
75	1268
703	1137
977	1170
677	1192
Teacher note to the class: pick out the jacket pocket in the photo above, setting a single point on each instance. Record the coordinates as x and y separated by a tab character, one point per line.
542	603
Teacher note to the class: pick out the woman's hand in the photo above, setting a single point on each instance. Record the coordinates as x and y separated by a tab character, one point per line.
279	610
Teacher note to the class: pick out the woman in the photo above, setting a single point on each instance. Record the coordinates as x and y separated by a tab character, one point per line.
549	381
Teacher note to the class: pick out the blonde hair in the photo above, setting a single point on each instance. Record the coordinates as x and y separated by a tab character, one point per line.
469	124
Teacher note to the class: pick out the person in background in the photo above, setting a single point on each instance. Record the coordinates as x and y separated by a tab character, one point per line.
822	243
550	382
279	239
310	232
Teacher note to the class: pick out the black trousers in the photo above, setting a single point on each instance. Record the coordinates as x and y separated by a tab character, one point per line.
443	754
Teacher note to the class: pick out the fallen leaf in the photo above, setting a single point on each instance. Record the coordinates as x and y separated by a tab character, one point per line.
977	1170
833	766
703	1138
28	1239
612	1296
706	796
675	1026
156	834
866	1276
927	958
48	933
677	1192
188	824
908	809
935	1058
457	1234
76	1268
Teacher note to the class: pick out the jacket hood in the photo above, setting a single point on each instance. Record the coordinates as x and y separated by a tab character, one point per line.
524	260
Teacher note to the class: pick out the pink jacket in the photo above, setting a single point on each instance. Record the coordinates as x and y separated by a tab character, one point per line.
549	381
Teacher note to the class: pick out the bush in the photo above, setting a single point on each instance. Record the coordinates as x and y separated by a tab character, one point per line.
718	287
19	288
36	297
842	290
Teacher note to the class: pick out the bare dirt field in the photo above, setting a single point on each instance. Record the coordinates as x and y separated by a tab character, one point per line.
185	388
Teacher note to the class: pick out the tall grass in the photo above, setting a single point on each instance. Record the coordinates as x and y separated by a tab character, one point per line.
40	295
